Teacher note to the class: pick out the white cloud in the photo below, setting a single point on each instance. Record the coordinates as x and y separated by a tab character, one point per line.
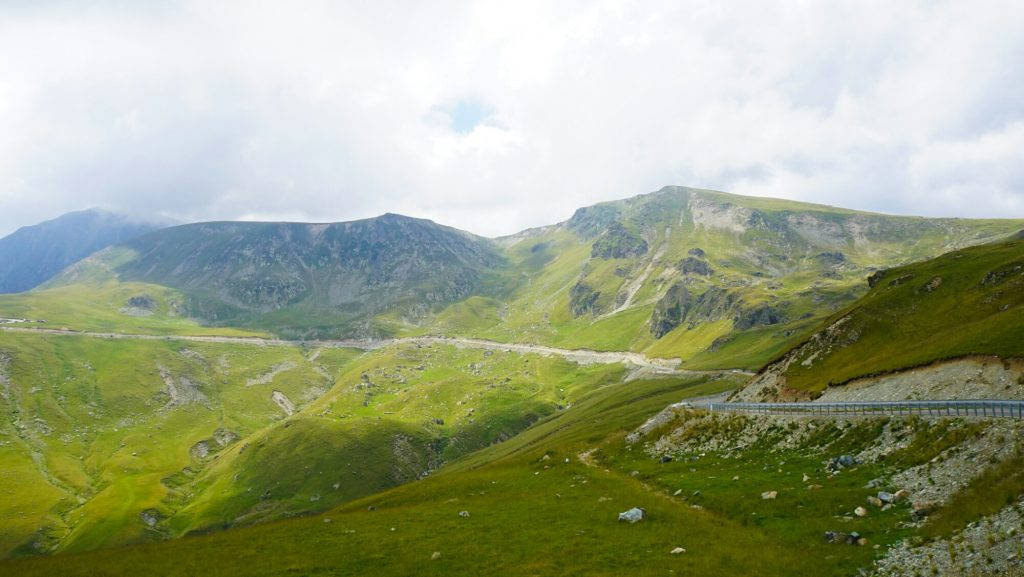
329	111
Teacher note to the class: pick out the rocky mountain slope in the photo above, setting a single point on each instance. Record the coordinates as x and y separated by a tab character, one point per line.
306	280
33	254
713	278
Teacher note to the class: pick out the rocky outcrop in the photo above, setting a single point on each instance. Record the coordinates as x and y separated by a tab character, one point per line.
758	316
618	242
583	300
670	310
693	265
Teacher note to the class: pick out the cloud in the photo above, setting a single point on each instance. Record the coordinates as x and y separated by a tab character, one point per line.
496	116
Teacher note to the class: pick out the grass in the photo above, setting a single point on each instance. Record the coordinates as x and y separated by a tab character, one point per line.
995	488
961	316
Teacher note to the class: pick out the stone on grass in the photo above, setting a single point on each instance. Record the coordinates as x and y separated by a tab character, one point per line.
769	495
678	550
463	513
885	497
875	501
633	515
860	512
436	555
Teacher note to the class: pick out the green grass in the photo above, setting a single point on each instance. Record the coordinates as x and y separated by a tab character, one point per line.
995	488
962	316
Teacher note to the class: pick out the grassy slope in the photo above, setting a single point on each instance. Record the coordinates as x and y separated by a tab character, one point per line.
89	432
536	508
776	263
89	440
961	316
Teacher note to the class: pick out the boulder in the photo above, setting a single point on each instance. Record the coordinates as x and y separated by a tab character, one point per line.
633	515
923	508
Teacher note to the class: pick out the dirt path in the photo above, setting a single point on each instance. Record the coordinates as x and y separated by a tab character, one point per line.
582	356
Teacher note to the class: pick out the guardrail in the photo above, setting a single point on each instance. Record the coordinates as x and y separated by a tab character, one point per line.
951	408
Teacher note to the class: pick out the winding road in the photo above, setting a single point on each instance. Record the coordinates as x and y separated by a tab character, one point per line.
581	356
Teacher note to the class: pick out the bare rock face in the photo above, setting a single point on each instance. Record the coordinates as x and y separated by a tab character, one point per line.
618	242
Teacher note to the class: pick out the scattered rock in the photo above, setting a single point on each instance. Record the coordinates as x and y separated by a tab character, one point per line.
841	538
769	495
885	497
873	484
666	458
678	550
435	556
463	513
841	462
860	512
633	515
875	501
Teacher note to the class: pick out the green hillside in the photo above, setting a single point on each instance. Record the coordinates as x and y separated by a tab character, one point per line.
715	279
966	302
294	456
107	442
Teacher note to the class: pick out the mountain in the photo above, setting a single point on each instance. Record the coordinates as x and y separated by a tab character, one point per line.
305	280
33	254
716	279
393	454
949	316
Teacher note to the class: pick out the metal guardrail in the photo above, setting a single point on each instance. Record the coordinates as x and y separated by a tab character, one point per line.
951	408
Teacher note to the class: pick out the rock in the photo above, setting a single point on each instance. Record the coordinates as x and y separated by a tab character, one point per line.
634	473
873	484
327	519
836	464
887	506
885	497
666	458
769	495
923	508
463	513
371	508
875	501
860	512
813	487
736	478
678	550
435	556
633	515
900	495
861	542
806	478
835	537
677	493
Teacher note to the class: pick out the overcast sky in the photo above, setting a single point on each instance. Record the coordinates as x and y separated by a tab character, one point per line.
494	117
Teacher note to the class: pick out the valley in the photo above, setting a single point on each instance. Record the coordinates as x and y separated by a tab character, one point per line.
396	396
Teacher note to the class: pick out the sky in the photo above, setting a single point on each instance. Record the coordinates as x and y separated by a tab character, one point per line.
498	116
